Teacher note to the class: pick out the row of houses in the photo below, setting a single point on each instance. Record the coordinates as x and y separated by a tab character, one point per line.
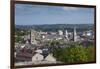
34	54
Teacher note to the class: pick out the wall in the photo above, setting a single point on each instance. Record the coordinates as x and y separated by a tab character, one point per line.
5	35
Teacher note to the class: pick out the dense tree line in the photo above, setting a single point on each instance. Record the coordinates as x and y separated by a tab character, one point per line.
56	27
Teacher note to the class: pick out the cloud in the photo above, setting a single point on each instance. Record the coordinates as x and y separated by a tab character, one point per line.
70	8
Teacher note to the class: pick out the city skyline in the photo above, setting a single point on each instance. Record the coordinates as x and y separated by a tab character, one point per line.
43	14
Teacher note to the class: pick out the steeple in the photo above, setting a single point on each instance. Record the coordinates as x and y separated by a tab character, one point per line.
74	35
30	36
66	34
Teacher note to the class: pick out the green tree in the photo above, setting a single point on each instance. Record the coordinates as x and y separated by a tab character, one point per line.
17	39
74	54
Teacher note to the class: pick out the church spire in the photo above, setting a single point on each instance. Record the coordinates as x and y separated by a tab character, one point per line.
74	35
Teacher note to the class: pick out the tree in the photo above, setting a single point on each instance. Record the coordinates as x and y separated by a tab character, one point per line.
17	39
74	54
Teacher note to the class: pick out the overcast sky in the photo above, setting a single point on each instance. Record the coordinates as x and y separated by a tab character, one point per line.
27	14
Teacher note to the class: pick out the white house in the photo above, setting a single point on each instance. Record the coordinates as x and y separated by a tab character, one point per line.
37	57
50	58
60	32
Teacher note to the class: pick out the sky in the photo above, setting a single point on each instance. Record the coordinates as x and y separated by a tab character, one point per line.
27	14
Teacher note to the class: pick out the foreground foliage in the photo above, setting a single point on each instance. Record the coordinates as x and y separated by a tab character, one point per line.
75	54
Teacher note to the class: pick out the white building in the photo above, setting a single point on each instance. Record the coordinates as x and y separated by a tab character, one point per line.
43	36
60	32
37	57
50	58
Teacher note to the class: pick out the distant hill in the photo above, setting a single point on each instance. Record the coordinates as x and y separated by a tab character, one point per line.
56	27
